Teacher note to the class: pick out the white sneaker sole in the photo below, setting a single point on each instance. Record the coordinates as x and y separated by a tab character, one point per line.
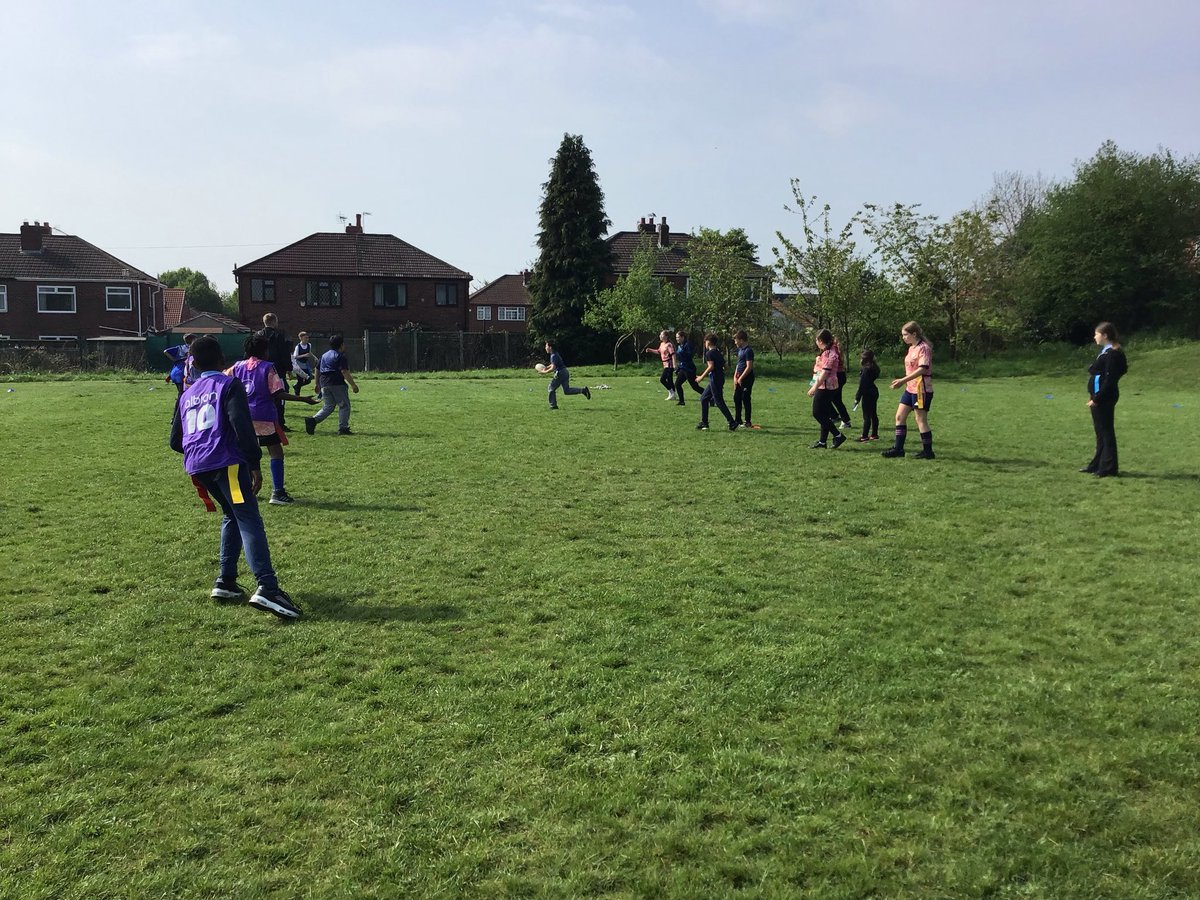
268	605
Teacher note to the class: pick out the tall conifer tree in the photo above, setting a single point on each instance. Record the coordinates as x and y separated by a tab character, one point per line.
575	259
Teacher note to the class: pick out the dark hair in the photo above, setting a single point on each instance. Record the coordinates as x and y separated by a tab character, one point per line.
207	353
335	342
825	336
740	335
256	345
711	338
1109	330
867	357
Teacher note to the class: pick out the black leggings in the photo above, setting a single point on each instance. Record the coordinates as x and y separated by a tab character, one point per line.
741	397
682	378
665	380
839	405
870	414
823	412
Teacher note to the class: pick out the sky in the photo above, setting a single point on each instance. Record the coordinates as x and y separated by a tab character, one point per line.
208	134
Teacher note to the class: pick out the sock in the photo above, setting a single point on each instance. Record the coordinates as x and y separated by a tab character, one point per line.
277	474
901	434
927	441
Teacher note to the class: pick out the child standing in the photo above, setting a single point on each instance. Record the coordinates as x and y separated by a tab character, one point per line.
918	392
823	388
562	378
685	366
1103	376
213	431
333	376
743	378
839	405
714	393
264	390
666	352
868	395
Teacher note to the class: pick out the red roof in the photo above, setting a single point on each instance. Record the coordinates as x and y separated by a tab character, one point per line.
64	257
175	308
364	255
507	290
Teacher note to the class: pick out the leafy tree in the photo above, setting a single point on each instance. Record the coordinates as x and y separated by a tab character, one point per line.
1118	243
230	303
201	294
638	302
727	289
575	260
834	286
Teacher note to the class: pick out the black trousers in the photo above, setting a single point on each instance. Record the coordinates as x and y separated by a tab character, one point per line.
682	378
1105	460
741	397
839	405
823	412
714	395
665	379
870	414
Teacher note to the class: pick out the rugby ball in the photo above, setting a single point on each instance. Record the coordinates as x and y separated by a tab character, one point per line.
541	367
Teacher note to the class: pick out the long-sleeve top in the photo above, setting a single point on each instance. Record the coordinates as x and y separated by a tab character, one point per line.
238	428
1105	373
866	383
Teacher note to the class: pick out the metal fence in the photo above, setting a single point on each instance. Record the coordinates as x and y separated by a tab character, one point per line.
395	351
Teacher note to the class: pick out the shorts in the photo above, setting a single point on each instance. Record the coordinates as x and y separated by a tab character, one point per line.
908	398
269	440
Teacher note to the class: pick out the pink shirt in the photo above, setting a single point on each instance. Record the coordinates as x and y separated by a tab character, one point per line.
826	370
666	350
919	354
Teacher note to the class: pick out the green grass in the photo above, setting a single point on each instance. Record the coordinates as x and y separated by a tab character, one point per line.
595	652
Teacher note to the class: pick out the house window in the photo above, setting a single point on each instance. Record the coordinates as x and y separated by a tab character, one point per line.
262	290
55	299
3	298
512	314
323	293
118	299
483	313
447	295
391	296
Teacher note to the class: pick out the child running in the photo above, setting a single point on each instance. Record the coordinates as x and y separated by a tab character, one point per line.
264	390
562	377
213	431
303	360
685	366
823	388
333	376
714	392
666	351
178	355
868	395
839	405
918	392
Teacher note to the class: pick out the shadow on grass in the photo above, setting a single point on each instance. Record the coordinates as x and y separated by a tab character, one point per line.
325	606
1002	463
1163	476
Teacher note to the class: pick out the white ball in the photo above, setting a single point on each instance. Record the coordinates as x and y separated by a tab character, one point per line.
541	367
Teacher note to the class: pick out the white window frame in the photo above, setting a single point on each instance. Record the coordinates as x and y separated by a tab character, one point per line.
511	314
483	313
3	298
110	292
55	290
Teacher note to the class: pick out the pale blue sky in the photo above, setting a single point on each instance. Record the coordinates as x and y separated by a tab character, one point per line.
157	130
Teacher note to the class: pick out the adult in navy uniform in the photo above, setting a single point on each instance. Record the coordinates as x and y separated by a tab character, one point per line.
1103	376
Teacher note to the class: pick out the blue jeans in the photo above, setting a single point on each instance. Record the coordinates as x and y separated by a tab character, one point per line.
242	527
561	378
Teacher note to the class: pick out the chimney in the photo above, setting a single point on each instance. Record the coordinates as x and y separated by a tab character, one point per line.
645	227
356	228
664	234
525	276
31	236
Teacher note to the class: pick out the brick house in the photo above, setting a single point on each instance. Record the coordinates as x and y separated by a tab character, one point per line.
60	287
672	256
502	305
351	283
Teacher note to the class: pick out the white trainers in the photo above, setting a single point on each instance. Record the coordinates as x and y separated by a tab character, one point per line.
670	395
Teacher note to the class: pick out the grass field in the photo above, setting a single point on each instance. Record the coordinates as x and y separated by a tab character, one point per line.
595	652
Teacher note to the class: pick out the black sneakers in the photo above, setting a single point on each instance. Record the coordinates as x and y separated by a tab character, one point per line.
275	601
587	394
817	445
703	426
838	441
734	426
281	498
892	452
924	454
310	425
227	590
345	431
